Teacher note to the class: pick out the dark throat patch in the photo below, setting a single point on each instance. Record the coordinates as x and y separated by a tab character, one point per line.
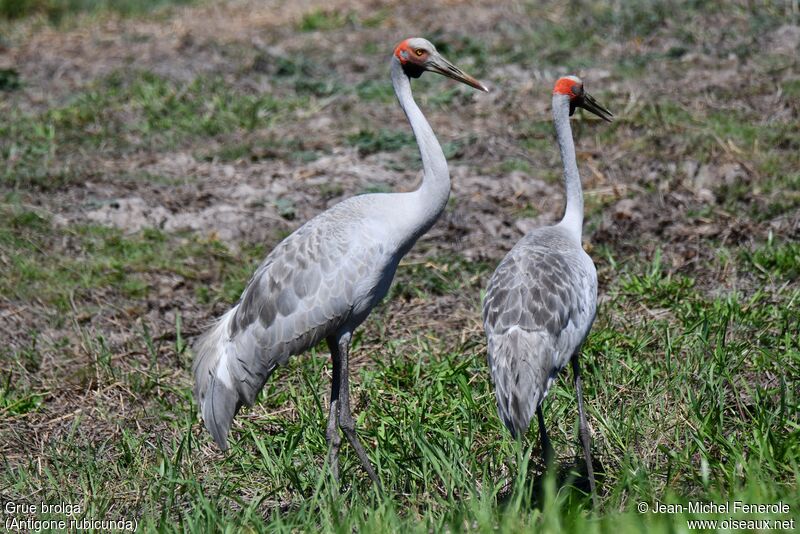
412	70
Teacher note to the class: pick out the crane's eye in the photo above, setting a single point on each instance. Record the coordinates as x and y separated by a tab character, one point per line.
577	89
419	52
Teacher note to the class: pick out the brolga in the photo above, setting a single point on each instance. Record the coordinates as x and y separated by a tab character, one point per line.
542	298
323	280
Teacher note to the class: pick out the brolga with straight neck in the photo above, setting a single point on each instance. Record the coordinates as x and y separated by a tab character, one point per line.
323	280
542	298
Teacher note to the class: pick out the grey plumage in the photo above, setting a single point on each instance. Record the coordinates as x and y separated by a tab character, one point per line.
539	307
323	280
322	277
541	300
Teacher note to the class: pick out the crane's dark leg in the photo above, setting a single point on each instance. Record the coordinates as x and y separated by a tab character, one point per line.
547	449
584	427
332	431
346	422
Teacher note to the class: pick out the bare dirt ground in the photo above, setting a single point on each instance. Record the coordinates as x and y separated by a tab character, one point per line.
217	197
670	174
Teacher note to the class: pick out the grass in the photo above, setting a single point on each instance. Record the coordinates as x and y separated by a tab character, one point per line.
438	276
9	80
762	150
692	366
238	149
370	142
57	10
127	112
719	423
323	20
778	260
98	259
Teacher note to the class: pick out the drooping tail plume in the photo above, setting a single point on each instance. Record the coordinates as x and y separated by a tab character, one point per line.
520	381
214	391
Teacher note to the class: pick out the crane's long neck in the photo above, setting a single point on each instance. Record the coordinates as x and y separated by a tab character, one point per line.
573	212
430	199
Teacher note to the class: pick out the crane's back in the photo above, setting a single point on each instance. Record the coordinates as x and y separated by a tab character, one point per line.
538	309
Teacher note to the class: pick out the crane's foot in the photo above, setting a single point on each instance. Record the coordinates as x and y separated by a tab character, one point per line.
334	440
587	455
583	427
347	425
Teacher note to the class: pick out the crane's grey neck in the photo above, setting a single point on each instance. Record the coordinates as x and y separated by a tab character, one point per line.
573	212
431	196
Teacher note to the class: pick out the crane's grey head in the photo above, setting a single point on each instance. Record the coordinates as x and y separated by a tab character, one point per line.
416	55
572	87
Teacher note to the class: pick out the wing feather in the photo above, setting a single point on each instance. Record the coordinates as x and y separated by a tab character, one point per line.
538	309
304	291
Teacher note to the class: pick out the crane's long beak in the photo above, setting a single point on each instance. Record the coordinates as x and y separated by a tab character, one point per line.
439	64
590	104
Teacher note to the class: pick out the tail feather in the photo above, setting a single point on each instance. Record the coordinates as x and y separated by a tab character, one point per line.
521	375
219	408
213	388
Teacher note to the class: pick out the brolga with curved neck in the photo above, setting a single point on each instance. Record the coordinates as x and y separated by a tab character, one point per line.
323	280
541	300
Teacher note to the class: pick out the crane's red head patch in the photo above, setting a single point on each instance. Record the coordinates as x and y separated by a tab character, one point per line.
572	86
402	51
413	50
